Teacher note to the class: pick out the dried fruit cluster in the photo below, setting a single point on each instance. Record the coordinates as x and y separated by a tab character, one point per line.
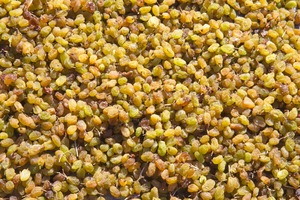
149	99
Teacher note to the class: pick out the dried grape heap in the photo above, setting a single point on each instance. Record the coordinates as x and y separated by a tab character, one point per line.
149	99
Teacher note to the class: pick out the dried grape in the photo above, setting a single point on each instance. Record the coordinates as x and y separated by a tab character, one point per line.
147	99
